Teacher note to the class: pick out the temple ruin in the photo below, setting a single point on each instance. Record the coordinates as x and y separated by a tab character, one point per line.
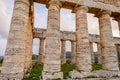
17	59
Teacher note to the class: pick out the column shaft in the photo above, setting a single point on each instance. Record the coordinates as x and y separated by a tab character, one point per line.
14	60
82	40
92	53
28	56
41	51
52	49
108	50
73	52
99	53
63	54
118	51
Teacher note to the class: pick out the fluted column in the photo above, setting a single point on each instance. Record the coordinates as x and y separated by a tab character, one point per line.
73	52
28	56
52	64
52	49
31	25
63	52
14	60
117	48
83	54
99	53
108	50
41	51
92	53
118	51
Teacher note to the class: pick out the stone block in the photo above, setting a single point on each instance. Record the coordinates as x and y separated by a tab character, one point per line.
50	75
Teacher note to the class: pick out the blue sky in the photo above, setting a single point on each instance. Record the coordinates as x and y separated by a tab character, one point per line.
67	23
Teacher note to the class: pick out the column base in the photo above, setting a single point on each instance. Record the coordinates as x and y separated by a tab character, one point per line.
10	76
96	79
52	75
95	75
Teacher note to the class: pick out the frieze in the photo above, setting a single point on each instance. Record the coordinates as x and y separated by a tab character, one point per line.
112	2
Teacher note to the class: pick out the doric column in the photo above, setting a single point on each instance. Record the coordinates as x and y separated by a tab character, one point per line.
119	48
73	52
28	56
118	51
31	25
52	64
14	60
63	52
99	53
83	55
92	53
108	50
41	51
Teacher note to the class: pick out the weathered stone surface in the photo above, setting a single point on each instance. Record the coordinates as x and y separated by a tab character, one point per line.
106	75
52	63
63	52
41	51
52	48
67	35
51	76
108	50
73	52
14	60
111	5
18	54
92	53
29	39
96	79
99	53
83	55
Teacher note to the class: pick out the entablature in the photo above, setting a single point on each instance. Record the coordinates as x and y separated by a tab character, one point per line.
94	5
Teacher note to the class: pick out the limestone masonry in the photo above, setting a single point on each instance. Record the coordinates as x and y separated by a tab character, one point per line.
17	59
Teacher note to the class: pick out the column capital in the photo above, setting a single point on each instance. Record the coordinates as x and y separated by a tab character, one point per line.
42	38
54	2
72	41
103	12
84	8
116	18
63	40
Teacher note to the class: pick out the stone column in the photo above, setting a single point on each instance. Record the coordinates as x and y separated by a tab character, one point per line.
14	60
92	53
119	48
52	64
108	50
41	51
99	53
63	52
73	52
28	56
118	51
31	25
83	54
